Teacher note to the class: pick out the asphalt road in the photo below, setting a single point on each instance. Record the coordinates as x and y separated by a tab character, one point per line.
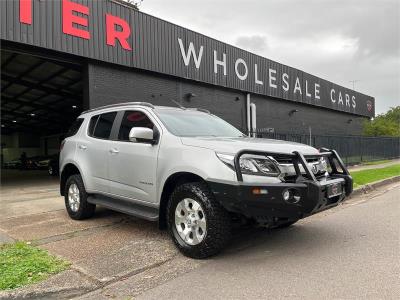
350	253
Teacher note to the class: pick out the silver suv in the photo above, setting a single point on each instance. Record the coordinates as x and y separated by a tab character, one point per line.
193	173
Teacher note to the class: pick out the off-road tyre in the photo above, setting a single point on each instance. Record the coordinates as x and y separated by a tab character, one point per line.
85	209
218	231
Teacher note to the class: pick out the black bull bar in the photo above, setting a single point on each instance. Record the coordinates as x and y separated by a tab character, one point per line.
298	158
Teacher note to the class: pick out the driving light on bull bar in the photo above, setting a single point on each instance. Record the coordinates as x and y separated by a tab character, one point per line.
291	195
286	195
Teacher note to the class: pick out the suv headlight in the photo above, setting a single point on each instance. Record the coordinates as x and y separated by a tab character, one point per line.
252	164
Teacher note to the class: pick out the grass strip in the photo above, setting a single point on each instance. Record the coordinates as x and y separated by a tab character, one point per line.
22	264
367	176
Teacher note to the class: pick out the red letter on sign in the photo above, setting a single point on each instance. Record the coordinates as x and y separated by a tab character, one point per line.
69	19
113	34
25	11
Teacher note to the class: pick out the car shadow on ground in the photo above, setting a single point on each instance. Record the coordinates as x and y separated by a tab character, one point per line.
296	239
302	235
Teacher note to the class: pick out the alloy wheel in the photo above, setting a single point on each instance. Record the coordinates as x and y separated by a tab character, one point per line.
73	197
190	221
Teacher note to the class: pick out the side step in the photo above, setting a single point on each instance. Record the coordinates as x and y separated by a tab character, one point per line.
125	206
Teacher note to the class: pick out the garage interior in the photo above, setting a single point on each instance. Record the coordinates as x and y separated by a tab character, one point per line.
40	98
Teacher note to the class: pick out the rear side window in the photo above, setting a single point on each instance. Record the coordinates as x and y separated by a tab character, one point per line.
100	126
92	124
133	119
74	127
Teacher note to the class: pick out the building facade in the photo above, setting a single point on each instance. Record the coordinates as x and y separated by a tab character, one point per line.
124	55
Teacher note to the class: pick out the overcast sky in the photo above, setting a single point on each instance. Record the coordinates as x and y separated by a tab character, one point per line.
338	40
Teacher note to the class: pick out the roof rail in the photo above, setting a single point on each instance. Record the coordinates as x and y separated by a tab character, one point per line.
120	105
204	110
199	109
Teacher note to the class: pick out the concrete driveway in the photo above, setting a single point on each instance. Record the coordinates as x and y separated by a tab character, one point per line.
346	252
28	192
105	248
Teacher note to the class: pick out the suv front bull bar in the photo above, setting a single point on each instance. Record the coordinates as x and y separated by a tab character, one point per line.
297	158
264	201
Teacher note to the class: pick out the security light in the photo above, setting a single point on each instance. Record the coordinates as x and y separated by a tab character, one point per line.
190	96
32	115
293	111
74	106
14	121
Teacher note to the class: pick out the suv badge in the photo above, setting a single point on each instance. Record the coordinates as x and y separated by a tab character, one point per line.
146	183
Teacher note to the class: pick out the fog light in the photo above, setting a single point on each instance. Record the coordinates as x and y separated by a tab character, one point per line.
258	191
286	195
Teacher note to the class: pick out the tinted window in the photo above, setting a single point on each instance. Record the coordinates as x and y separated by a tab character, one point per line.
104	125
133	119
92	124
74	127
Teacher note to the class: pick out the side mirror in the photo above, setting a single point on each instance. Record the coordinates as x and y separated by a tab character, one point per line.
141	135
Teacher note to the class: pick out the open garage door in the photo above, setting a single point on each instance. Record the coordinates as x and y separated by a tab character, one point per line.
40	98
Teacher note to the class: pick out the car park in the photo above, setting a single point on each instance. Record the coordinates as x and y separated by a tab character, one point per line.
12	164
53	165
193	173
37	163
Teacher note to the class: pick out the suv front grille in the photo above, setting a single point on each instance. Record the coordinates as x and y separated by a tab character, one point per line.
316	164
292	178
289	161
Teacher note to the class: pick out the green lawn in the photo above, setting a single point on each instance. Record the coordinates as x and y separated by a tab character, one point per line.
368	176
22	264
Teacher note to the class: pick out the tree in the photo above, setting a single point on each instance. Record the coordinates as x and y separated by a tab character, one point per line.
387	124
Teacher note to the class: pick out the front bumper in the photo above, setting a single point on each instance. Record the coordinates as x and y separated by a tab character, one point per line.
265	202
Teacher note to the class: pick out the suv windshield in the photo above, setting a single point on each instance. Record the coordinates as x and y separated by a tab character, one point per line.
194	123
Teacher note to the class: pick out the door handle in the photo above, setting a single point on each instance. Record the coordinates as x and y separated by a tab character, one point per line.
114	151
83	147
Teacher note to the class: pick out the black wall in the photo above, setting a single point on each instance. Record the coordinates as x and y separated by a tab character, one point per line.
275	113
109	84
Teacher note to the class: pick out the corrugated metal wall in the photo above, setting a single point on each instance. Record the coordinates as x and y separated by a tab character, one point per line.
155	48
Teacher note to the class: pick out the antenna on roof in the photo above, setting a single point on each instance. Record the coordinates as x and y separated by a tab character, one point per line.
178	104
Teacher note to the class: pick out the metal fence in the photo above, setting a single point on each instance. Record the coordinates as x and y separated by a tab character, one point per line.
352	149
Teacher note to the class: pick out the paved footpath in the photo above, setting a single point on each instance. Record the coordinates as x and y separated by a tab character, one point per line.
379	166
